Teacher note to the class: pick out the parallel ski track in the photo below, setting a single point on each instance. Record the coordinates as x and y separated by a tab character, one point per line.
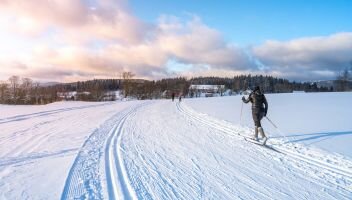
85	178
118	184
27	145
46	113
232	130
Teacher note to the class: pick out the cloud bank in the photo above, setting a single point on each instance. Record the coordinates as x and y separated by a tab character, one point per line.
307	57
70	40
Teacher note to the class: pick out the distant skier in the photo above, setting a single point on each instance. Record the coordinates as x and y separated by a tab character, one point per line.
180	98
259	110
173	96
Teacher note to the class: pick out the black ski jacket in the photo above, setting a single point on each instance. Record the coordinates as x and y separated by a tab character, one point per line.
258	101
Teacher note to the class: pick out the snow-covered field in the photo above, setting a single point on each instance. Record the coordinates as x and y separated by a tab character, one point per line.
169	150
38	144
320	120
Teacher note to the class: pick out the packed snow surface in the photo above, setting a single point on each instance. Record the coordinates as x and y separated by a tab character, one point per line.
196	149
320	120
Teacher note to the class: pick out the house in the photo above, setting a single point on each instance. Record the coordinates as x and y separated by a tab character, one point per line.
67	95
72	96
206	90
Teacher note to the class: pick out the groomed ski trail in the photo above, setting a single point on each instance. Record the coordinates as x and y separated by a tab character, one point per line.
118	185
170	155
334	167
98	171
168	151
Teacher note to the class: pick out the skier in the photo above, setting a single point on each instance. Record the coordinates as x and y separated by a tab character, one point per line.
258	101
173	96
180	98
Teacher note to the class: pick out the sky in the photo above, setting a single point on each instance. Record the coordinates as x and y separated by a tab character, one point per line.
71	40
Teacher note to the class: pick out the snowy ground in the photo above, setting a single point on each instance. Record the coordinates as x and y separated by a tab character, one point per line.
39	145
320	120
166	150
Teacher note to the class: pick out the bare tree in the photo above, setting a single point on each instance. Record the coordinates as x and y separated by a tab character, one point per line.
4	93
127	76
97	92
14	87
36	92
26	89
27	83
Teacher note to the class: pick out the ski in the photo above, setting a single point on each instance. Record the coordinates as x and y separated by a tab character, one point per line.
261	144
254	141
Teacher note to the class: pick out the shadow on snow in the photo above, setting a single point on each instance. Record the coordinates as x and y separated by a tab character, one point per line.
313	136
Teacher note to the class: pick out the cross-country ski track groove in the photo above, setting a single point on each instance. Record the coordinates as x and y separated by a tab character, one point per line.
30	143
47	112
101	153
233	130
102	168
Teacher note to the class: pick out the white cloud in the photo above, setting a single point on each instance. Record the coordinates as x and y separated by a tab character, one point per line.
70	39
110	20
194	42
317	56
66	30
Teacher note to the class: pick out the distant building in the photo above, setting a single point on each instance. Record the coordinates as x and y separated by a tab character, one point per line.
206	90
72	96
67	95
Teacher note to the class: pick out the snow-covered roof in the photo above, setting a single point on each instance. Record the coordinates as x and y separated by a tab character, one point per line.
67	93
206	87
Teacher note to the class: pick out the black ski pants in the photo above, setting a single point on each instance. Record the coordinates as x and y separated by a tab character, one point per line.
257	114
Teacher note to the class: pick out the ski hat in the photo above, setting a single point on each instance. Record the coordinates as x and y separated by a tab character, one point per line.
256	88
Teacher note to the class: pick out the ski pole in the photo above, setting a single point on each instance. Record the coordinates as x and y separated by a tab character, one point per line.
271	122
278	130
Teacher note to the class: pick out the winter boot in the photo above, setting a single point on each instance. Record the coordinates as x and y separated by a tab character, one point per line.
255	137
262	134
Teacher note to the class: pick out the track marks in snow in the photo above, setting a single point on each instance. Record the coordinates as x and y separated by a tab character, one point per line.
100	153
117	179
33	156
149	171
335	170
141	154
169	156
154	173
46	113
31	143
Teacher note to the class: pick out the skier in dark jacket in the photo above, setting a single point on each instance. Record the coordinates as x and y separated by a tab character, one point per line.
173	96
259	110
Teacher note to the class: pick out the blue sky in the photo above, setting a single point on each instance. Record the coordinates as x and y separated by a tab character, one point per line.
66	40
250	22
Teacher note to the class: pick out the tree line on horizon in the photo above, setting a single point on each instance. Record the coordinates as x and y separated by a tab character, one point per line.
25	91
